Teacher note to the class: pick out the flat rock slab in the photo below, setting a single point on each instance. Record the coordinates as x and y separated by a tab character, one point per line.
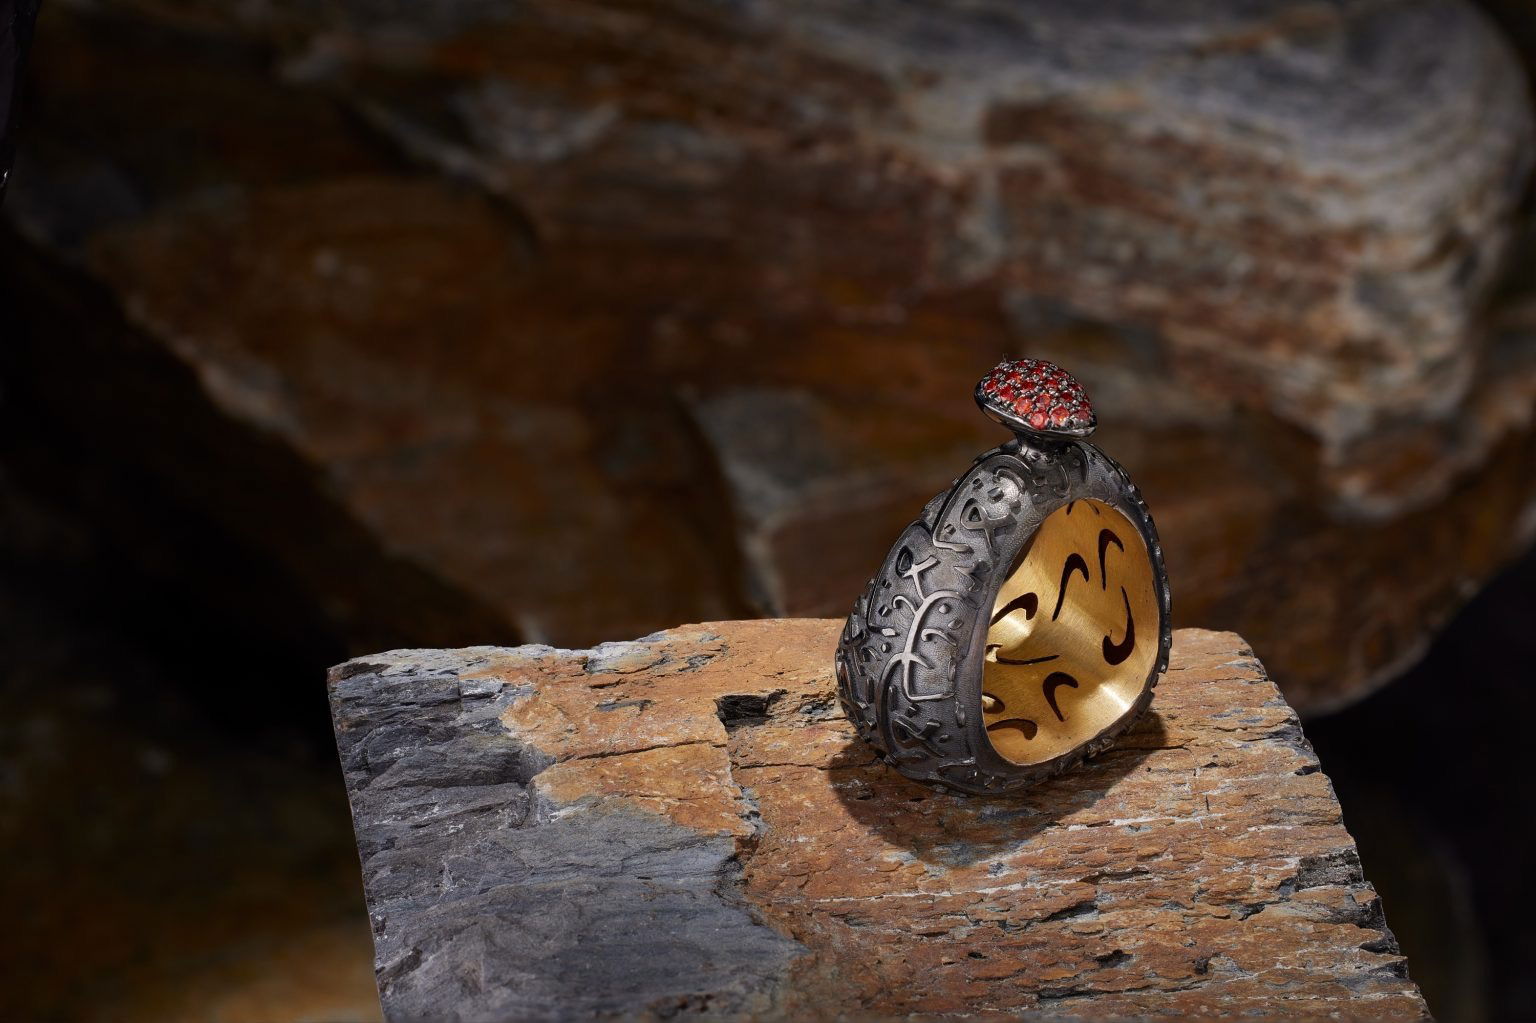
685	825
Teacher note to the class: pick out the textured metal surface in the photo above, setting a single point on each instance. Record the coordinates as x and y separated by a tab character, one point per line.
909	664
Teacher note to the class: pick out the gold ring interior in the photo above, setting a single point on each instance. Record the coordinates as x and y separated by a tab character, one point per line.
1073	636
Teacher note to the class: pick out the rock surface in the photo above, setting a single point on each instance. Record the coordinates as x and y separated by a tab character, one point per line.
685	824
688	299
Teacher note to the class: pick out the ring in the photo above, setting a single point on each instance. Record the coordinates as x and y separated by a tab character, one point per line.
1021	623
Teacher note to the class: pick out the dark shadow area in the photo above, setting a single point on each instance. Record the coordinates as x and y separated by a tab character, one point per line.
172	818
959	830
1435	778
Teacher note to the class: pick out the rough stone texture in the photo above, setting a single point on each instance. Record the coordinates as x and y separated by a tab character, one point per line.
688	299
685	824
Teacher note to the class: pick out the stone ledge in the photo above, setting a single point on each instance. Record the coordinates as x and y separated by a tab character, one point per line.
685	824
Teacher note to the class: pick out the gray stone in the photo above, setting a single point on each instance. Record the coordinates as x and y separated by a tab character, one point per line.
487	905
685	825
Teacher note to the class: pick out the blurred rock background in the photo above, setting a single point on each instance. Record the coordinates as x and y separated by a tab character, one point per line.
340	326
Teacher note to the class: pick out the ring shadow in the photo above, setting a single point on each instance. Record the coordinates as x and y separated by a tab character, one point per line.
955	829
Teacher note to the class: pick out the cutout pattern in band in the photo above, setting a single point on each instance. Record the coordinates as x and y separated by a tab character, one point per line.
924	711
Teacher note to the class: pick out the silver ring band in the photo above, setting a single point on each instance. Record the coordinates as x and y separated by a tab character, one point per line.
1021	623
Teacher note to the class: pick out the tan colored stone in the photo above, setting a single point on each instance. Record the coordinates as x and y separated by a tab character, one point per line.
1198	868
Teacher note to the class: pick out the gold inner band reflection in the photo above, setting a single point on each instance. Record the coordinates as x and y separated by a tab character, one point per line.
1074	634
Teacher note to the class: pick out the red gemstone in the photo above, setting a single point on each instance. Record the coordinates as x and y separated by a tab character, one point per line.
1037	394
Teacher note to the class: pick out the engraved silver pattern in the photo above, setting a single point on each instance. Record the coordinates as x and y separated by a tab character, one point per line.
909	663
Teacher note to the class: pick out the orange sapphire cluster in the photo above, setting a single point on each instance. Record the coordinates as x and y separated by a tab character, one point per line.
1039	394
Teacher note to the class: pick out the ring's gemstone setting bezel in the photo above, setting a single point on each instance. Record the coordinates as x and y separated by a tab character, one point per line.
1033	396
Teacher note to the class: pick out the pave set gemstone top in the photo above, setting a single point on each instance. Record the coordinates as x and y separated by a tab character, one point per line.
1037	396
